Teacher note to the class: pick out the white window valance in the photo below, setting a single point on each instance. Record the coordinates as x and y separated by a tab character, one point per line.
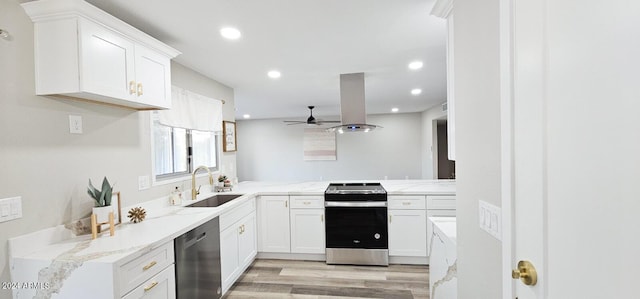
190	110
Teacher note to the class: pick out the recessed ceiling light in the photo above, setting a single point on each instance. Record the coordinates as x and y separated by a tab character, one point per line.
394	109
415	65
246	116
274	74
230	33
416	91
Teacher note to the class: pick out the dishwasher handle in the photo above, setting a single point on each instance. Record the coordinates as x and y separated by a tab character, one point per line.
193	241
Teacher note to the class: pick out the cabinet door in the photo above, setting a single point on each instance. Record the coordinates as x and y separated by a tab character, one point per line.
153	77
247	247
307	231
274	224
229	259
161	286
106	62
408	233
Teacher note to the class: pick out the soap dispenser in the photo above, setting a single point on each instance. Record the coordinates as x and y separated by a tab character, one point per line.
176	197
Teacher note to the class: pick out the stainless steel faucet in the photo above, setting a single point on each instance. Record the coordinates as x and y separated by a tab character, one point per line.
194	192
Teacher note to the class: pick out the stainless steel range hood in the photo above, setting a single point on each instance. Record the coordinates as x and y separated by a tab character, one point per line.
352	106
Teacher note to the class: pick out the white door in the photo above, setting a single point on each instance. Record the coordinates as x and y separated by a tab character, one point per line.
307	231
571	144
274	224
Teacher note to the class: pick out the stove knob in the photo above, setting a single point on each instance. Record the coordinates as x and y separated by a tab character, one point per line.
377	236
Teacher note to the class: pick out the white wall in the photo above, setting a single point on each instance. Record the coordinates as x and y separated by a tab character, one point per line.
477	90
47	166
269	150
428	149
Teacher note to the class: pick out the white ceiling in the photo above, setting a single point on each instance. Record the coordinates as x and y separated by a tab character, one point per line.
311	42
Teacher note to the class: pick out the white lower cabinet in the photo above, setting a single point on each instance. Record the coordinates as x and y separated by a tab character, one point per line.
274	232
307	231
407	233
151	275
237	242
161	286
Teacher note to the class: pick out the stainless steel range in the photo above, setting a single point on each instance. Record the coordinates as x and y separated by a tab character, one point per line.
356	224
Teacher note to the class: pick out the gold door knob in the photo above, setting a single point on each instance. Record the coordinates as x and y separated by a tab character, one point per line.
526	272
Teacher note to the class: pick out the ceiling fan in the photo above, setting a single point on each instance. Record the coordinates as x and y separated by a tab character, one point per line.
311	120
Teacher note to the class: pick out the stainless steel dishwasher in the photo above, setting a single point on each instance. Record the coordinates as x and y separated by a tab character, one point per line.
198	262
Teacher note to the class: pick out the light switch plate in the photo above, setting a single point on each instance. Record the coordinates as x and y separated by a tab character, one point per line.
75	124
490	219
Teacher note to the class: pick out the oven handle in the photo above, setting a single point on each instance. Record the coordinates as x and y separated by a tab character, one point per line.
356	204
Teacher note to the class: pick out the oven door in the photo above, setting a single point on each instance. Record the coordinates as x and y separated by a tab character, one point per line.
356	225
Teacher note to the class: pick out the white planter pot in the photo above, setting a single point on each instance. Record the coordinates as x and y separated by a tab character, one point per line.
102	213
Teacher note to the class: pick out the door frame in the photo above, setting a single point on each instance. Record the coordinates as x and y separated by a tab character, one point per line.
506	144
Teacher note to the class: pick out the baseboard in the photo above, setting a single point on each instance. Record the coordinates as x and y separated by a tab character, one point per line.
404	260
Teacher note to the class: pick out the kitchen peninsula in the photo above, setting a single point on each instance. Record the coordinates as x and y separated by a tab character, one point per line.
140	257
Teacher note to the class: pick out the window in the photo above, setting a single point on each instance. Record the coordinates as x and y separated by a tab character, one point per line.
178	151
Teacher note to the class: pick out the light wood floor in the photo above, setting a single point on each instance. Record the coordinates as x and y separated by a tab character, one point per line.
317	280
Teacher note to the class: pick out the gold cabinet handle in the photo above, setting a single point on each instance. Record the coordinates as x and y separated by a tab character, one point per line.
132	87
286	204
406	203
307	203
321	218
151	286
389	218
148	266
140	91
239	230
526	272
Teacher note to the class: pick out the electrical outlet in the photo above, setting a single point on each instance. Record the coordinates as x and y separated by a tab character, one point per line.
143	182
75	124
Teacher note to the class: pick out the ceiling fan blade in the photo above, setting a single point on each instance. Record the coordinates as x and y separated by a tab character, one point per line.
295	121
329	121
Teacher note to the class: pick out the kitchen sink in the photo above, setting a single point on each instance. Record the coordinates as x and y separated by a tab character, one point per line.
216	200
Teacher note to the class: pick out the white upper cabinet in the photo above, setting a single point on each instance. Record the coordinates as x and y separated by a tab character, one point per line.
444	9
83	52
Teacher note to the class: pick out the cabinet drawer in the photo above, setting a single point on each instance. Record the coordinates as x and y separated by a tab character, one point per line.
135	272
161	286
406	202
306	202
441	202
233	216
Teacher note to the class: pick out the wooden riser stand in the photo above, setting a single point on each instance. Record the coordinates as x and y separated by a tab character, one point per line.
96	227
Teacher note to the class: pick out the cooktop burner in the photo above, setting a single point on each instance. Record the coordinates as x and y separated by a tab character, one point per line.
355	192
355	188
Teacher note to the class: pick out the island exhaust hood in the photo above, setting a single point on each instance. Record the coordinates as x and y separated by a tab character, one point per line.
352	111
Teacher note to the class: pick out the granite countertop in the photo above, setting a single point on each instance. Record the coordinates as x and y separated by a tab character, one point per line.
164	223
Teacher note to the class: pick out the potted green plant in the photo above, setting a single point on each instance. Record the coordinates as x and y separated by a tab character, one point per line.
221	179
102	198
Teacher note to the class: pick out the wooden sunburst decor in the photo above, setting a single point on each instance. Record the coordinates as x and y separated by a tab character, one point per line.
137	214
